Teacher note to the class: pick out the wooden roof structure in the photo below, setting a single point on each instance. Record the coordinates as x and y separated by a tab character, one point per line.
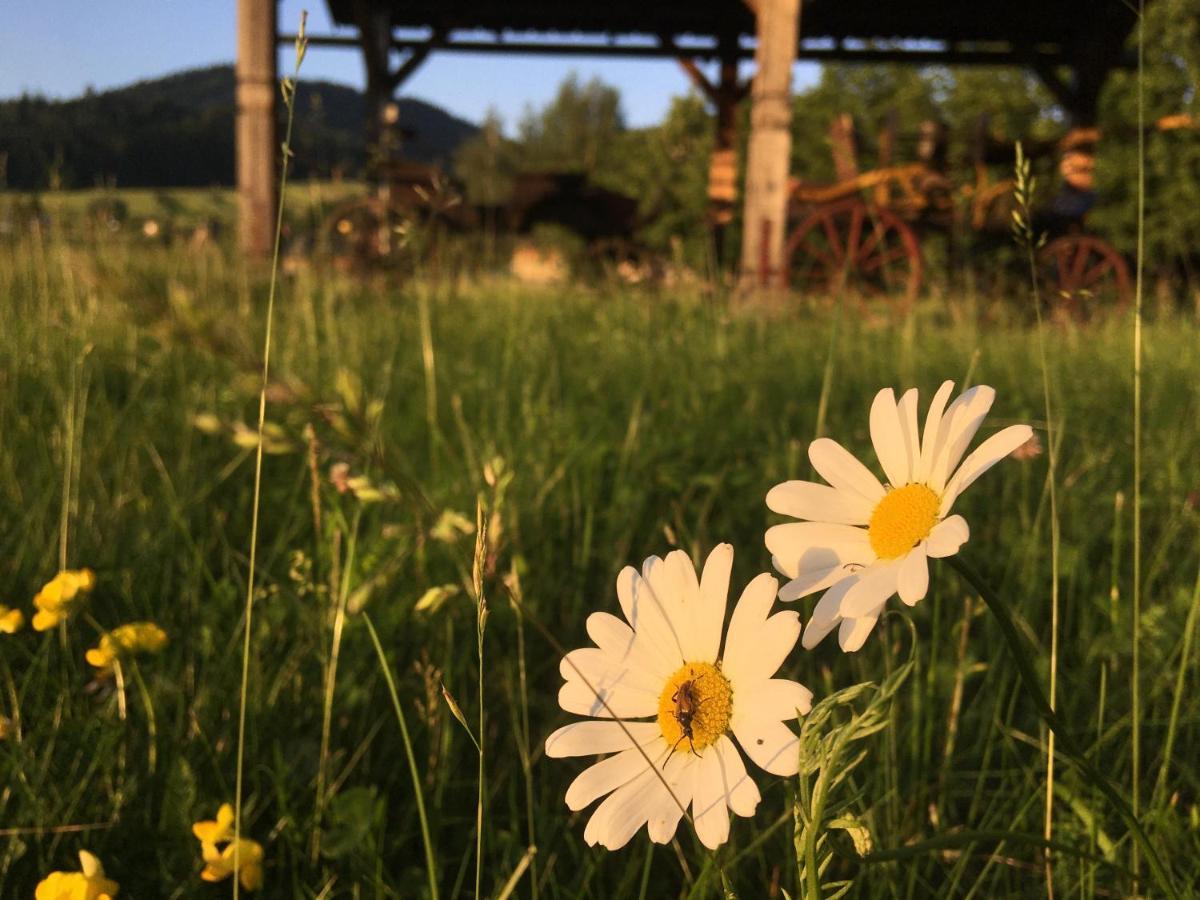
1023	32
1071	44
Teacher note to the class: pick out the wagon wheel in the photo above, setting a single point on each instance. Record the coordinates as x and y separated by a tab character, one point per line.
868	252
354	231
1085	275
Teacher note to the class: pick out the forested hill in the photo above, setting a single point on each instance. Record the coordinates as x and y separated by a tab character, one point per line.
178	131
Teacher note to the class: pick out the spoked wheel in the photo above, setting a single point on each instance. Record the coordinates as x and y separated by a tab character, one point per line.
1085	276
865	251
354	232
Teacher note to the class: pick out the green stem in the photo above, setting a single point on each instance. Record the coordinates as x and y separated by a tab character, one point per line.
243	692
1135	674
430	863
1066	744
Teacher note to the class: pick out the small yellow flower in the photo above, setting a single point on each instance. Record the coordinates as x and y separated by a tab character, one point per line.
6	728
88	884
11	620
57	598
216	831
135	637
219	864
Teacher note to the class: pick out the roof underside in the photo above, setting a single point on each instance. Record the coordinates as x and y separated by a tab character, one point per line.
939	30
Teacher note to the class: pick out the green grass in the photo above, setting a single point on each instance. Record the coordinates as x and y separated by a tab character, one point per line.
630	422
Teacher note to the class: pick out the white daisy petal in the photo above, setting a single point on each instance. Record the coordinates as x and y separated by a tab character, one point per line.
913	579
680	774
888	438
626	810
933	424
982	458
646	614
812	548
605	777
662	578
853	633
947	536
906	411
714	592
819	503
775	698
741	793
620	642
598	669
699	627
603	701
771	744
825	615
842	469
710	813
604	736
757	646
959	425
871	591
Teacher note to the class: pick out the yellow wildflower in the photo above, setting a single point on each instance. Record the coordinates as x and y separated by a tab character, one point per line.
58	596
219	864
11	620
6	728
215	831
135	637
88	884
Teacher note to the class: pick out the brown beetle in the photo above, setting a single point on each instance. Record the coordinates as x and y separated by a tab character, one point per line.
685	711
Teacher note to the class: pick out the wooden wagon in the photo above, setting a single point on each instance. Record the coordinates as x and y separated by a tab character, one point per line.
862	235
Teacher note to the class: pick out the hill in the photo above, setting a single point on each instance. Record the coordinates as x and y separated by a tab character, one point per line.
178	131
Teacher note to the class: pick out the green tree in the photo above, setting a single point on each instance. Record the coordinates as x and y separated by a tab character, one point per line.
1172	168
487	162
575	131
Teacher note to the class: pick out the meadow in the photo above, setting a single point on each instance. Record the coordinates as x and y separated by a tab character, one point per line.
594	426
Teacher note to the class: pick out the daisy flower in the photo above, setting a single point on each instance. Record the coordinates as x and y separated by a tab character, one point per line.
665	697
863	541
88	884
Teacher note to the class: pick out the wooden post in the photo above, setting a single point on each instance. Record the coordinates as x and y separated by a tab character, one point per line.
257	92
725	96
765	218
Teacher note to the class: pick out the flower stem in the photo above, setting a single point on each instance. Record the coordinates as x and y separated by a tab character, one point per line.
430	863
243	693
1066	744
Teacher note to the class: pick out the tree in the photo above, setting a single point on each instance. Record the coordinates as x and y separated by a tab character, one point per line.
575	131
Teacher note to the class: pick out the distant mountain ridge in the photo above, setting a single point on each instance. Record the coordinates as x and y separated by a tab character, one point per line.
177	131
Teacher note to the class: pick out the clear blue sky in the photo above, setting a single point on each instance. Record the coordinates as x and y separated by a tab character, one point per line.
58	48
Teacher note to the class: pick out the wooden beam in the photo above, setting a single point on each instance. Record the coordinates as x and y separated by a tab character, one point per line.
765	218
966	53
257	93
408	67
697	78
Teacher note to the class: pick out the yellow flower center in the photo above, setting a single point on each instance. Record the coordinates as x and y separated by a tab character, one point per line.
902	519
695	706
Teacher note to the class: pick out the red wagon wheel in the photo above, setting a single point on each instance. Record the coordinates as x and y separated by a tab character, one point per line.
1085	275
848	246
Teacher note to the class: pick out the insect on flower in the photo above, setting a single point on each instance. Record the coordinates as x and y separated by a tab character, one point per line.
685	702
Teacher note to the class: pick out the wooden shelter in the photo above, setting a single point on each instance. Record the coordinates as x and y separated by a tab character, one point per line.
1071	44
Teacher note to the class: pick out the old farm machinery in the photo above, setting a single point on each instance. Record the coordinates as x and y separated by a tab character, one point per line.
863	234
